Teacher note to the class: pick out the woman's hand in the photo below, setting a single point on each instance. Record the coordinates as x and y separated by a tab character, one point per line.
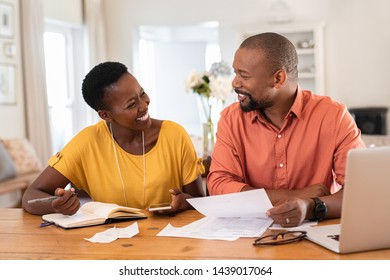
179	202
67	202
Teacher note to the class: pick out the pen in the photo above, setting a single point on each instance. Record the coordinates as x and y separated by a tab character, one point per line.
49	198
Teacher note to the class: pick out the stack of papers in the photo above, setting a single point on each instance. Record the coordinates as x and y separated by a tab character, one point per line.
227	217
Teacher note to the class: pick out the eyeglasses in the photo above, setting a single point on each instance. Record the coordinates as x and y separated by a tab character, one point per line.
280	238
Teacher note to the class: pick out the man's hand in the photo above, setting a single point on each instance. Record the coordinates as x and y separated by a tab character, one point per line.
290	213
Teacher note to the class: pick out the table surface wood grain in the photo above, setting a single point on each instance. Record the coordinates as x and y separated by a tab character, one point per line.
21	238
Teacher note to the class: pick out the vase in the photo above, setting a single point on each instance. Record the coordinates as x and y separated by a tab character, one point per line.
208	138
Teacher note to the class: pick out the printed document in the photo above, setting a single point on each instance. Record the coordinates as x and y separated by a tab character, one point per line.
227	217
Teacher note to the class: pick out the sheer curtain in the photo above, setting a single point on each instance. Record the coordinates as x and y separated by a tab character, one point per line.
96	34
95	39
37	114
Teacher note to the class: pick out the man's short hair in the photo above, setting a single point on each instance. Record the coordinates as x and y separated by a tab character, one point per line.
97	81
279	52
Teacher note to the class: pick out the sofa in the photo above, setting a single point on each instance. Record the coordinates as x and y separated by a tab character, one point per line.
19	166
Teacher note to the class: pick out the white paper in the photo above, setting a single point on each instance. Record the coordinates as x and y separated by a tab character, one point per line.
242	204
191	231
114	233
228	217
219	228
300	227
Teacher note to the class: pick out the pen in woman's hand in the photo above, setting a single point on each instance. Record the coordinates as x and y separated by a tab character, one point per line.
44	199
49	198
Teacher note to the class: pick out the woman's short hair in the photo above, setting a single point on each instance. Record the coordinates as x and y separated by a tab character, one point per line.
98	80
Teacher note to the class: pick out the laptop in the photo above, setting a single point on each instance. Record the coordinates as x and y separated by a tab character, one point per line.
365	215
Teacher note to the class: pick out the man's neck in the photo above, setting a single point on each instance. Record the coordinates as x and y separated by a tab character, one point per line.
277	113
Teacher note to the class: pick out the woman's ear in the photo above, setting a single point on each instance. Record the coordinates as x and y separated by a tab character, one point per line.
104	115
280	78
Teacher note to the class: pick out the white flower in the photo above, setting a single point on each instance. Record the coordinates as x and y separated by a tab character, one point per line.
195	79
220	87
214	83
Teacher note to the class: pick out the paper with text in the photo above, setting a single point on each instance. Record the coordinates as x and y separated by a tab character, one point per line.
220	228
228	217
242	204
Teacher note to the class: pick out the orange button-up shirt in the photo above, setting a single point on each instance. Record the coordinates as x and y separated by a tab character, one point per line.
311	147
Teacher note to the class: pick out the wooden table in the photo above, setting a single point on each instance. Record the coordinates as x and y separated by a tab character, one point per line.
21	238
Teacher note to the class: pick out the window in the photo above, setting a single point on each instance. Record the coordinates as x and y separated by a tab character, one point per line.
164	56
60	46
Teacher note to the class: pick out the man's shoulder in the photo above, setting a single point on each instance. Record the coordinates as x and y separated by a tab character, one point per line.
322	100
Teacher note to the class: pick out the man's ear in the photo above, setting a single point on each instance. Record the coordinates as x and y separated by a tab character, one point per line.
280	78
104	115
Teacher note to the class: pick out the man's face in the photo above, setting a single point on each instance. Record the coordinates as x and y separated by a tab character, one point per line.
254	82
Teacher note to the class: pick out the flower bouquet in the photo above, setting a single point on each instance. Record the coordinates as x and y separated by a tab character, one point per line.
212	86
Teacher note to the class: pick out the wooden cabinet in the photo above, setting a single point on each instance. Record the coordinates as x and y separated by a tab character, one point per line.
308	39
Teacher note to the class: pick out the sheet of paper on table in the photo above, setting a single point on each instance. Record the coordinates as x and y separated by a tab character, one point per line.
114	233
227	217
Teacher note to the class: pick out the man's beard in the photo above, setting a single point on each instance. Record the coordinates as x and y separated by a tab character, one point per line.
254	105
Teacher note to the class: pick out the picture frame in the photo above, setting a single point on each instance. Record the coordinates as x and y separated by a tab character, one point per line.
6	20
7	84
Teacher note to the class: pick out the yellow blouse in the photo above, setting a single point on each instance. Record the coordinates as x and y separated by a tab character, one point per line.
89	162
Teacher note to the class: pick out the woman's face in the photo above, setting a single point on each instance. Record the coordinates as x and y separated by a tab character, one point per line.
127	104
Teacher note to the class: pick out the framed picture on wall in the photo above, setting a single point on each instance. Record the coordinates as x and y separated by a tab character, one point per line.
7	84
6	20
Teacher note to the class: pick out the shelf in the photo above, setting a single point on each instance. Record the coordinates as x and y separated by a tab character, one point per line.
305	51
306	75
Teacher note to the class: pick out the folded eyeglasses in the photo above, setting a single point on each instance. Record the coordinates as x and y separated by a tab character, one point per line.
280	238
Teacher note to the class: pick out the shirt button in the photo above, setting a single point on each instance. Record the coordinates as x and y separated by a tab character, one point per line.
281	165
279	136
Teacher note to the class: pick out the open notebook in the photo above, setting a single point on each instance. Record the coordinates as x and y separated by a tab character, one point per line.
365	222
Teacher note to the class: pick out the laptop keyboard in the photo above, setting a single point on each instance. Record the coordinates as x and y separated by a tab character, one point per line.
334	236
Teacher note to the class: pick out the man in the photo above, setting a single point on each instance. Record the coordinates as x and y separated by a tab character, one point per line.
279	137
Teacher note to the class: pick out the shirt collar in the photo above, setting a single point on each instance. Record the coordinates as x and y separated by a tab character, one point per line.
297	106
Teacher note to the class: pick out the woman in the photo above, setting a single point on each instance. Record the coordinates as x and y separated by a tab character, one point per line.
127	158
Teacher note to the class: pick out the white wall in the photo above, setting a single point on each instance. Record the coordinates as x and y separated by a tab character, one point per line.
357	39
12	116
69	11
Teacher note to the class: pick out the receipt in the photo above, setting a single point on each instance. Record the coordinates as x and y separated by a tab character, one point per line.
114	233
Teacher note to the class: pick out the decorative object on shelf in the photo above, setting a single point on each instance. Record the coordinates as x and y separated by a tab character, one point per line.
211	86
306	44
